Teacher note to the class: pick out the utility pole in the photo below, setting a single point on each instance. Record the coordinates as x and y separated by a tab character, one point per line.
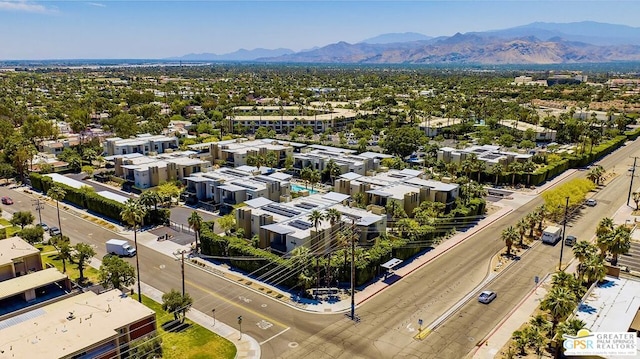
181	253
564	232
633	171
39	207
353	269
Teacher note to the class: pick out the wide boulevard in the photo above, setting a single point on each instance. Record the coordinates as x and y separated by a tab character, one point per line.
388	321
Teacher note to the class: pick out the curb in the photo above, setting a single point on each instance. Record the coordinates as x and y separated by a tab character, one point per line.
467	235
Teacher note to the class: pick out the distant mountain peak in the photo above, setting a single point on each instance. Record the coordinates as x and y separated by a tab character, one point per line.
396	37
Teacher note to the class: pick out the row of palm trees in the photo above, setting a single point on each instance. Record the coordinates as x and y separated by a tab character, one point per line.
515	235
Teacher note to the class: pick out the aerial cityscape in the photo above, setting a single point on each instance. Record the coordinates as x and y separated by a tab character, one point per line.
305	179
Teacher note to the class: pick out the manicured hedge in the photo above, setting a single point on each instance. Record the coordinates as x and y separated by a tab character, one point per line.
94	202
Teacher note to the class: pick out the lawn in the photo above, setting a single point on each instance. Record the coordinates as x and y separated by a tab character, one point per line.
50	256
11	230
195	342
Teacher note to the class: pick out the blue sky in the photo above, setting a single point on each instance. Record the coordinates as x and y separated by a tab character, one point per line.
31	29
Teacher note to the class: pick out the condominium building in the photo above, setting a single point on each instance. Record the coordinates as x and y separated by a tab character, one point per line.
285	226
406	187
320	118
491	155
226	187
235	153
146	172
144	144
317	157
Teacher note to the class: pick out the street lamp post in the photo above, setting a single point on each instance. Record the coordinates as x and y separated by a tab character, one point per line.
564	232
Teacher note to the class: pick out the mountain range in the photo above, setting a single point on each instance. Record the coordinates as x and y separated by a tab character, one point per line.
535	43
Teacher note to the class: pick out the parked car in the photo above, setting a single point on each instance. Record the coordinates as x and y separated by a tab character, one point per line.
487	296
43	226
591	202
570	241
54	231
7	200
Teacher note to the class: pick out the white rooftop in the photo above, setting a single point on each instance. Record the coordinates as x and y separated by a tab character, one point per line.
611	305
65	180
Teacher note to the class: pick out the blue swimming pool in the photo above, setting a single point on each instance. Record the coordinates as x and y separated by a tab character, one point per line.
298	188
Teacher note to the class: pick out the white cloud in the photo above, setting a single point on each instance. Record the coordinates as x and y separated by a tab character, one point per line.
96	4
22	5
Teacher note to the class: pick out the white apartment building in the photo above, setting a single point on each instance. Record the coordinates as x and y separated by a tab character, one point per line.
144	144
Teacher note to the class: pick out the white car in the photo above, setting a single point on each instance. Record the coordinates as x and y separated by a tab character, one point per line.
591	202
487	296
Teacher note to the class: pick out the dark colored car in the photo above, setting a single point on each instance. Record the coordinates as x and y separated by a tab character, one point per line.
54	231
570	241
7	200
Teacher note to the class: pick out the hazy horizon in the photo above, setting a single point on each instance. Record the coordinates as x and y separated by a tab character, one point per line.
49	30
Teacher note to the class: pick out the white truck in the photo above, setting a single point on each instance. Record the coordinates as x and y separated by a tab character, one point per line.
120	247
551	235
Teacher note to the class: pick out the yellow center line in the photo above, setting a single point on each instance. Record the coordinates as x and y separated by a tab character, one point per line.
258	314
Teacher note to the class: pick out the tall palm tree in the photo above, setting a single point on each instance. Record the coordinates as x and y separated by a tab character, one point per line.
532	220
315	217
563	279
620	243
521	227
541	214
305	175
57	194
333	170
314	178
570	327
195	222
509	236
132	214
559	302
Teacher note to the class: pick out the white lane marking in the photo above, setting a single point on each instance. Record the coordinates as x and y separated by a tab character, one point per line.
264	341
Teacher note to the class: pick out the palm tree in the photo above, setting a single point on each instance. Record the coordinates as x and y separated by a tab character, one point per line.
521	340
57	194
305	175
570	327
562	279
521	227
333	170
559	302
593	269
314	178
515	168
528	167
132	214
541	216
149	199
64	253
583	250
315	217
620	243
333	216
195	222
532	220
509	236
497	171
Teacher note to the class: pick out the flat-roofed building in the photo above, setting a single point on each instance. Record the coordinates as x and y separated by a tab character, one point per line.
22	275
145	171
143	144
322	118
490	154
88	325
226	187
406	187
317	157
541	133
18	258
285	226
235	153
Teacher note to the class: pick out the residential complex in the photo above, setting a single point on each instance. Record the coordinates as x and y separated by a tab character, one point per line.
272	117
144	144
145	171
317	157
235	153
285	226
491	155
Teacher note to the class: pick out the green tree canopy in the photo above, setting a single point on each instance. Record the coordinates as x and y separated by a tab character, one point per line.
403	141
115	272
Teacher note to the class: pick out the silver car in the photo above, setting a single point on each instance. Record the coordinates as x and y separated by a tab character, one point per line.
487	296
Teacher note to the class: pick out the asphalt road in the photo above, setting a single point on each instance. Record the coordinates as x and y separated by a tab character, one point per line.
389	320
